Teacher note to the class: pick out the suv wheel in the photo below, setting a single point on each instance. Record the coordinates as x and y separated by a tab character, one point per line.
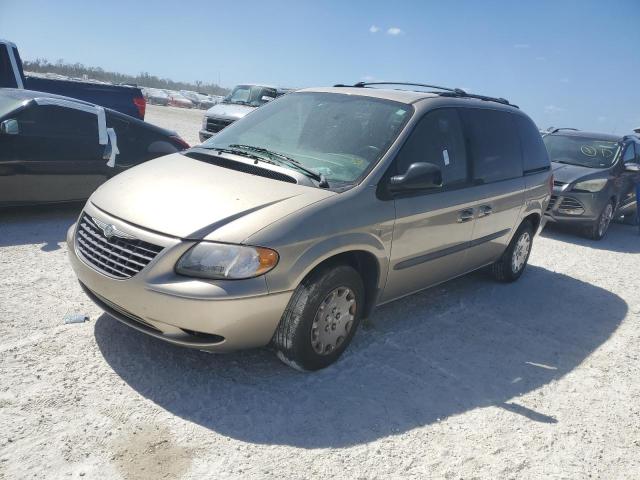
599	228
515	257
321	318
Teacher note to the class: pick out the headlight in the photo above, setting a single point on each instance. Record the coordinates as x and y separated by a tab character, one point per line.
222	261
590	185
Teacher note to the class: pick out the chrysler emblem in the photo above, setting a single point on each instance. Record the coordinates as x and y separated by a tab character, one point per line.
109	230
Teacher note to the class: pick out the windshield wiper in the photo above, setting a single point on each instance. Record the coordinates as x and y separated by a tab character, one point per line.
292	162
242	153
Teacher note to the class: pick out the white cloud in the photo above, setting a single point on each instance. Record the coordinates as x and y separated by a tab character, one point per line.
521	45
553	109
394	31
374	29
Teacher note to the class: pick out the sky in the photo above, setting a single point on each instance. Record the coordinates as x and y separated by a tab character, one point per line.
569	63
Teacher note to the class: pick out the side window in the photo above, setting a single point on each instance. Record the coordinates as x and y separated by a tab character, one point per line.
55	122
7	76
493	144
629	154
534	154
437	139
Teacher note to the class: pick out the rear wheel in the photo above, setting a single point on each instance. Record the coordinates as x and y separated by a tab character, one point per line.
599	228
514	259
321	318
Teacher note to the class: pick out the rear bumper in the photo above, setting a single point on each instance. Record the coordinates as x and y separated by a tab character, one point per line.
216	316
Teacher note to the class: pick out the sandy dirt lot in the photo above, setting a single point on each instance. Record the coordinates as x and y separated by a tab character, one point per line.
472	379
186	122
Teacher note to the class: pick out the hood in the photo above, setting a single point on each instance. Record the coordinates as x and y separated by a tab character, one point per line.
570	173
186	198
229	111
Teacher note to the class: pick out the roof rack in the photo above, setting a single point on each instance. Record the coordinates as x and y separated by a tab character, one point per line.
446	91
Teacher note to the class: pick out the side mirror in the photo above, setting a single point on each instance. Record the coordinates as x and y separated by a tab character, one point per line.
419	176
632	167
266	98
10	127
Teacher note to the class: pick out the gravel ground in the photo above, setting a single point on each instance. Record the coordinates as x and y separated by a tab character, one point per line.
472	379
186	122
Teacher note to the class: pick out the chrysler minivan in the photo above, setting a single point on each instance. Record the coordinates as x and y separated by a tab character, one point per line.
291	225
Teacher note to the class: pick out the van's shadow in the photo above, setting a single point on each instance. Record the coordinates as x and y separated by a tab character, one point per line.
471	343
620	237
45	224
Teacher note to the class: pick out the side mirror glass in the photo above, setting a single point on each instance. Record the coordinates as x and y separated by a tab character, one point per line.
10	127
419	176
632	167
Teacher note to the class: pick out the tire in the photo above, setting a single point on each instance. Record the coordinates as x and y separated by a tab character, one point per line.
305	324
598	229
514	260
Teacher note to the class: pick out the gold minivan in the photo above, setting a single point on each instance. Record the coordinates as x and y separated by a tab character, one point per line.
289	226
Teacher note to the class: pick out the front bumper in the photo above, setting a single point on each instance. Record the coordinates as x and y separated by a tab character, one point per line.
208	315
205	135
575	207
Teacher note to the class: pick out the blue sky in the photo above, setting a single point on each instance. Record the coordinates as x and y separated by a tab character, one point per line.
565	62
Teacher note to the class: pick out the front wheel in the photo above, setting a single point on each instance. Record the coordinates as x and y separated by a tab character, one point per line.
599	228
321	318
514	259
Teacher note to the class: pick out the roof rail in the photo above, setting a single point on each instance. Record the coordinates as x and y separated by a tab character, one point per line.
446	91
554	130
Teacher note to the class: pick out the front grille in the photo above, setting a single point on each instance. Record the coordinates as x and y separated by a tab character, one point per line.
114	256
552	202
214	125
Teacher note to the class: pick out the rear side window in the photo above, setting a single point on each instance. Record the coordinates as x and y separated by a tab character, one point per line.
437	139
493	144
534	154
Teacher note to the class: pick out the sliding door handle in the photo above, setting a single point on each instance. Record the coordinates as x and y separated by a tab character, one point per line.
485	210
465	215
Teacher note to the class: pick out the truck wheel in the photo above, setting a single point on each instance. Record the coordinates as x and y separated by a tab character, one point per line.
320	319
514	259
599	228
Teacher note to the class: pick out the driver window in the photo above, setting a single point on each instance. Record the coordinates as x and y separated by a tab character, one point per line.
437	139
629	154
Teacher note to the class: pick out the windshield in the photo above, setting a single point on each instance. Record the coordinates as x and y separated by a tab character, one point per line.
582	151
338	136
251	95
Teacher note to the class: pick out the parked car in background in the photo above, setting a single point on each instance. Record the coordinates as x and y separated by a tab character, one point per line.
242	100
594	178
176	99
155	96
124	99
59	149
279	229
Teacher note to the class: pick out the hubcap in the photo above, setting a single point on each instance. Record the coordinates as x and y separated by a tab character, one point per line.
521	252
605	219
333	320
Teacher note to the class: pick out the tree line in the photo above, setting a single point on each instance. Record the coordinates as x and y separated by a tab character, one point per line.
144	79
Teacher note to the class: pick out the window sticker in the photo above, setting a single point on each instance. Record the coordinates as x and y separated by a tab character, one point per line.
588	150
445	157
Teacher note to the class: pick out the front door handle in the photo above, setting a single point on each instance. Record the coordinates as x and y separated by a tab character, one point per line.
465	215
485	210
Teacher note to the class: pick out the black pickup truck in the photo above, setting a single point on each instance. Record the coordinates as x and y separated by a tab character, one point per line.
121	98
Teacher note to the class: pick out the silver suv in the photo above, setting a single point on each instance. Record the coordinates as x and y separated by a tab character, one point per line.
291	225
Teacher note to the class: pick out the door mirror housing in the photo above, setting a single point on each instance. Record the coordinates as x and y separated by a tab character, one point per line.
419	176
10	127
632	167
